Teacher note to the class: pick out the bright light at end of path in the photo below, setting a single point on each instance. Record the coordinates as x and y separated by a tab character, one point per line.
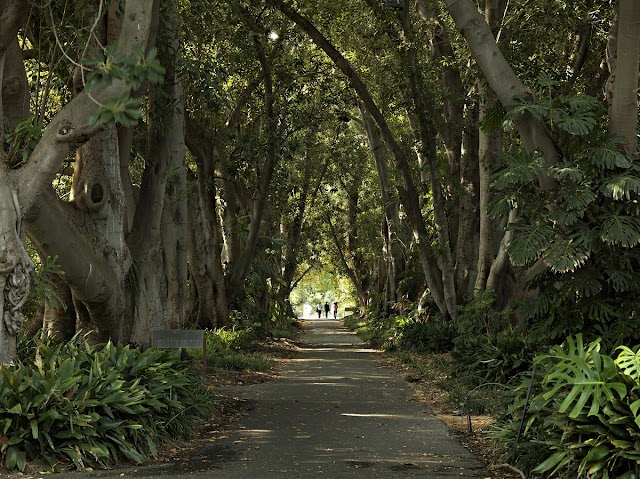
273	36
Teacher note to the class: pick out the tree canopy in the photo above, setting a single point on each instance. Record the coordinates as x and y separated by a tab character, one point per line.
182	163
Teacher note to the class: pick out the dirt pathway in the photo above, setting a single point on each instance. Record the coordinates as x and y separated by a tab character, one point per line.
335	412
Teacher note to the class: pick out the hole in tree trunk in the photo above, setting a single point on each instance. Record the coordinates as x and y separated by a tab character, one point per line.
97	193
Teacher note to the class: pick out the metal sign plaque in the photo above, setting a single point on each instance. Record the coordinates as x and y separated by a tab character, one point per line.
177	338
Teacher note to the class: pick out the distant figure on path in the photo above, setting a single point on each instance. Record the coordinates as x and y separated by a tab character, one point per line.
326	310
335	310
319	310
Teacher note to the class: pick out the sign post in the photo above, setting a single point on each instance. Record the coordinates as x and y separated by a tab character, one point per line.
181	338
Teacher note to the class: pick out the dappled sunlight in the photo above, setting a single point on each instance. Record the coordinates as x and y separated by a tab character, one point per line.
342	349
387	416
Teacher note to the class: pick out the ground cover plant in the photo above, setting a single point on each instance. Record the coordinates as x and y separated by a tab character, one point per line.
82	405
582	420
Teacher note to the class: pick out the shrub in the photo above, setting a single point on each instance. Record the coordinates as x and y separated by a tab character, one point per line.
582	421
95	405
435	336
496	357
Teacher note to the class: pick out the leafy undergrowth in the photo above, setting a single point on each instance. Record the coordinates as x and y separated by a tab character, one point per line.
76	405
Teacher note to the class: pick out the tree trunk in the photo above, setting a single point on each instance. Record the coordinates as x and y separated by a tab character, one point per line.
490	143
468	223
390	202
623	120
204	249
502	79
240	269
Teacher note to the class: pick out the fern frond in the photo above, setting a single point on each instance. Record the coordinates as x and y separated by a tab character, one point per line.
621	230
565	256
529	242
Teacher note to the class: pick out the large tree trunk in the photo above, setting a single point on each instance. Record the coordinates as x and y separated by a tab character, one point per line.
623	120
502	79
204	247
490	143
468	214
240	268
94	259
293	234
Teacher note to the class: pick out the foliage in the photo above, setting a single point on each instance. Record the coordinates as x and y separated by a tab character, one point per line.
233	348
487	345
103	70
584	228
495	356
582	420
94	405
433	335
408	332
20	142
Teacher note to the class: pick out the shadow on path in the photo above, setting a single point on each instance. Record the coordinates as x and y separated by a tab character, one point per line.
335	412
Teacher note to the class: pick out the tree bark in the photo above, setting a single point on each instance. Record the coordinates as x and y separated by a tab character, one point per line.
623	120
241	268
502	79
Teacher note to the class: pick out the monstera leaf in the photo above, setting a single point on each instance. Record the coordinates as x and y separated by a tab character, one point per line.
628	361
621	230
587	377
529	242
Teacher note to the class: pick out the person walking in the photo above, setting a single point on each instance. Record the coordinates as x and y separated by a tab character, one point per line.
335	310
326	310
319	310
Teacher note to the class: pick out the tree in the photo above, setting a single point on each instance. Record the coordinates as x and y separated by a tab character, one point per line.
95	258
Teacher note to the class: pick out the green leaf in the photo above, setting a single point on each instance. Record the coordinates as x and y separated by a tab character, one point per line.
519	170
566	171
34	428
620	230
608	156
565	256
556	459
620	187
529	242
597	454
628	361
576	123
579	199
